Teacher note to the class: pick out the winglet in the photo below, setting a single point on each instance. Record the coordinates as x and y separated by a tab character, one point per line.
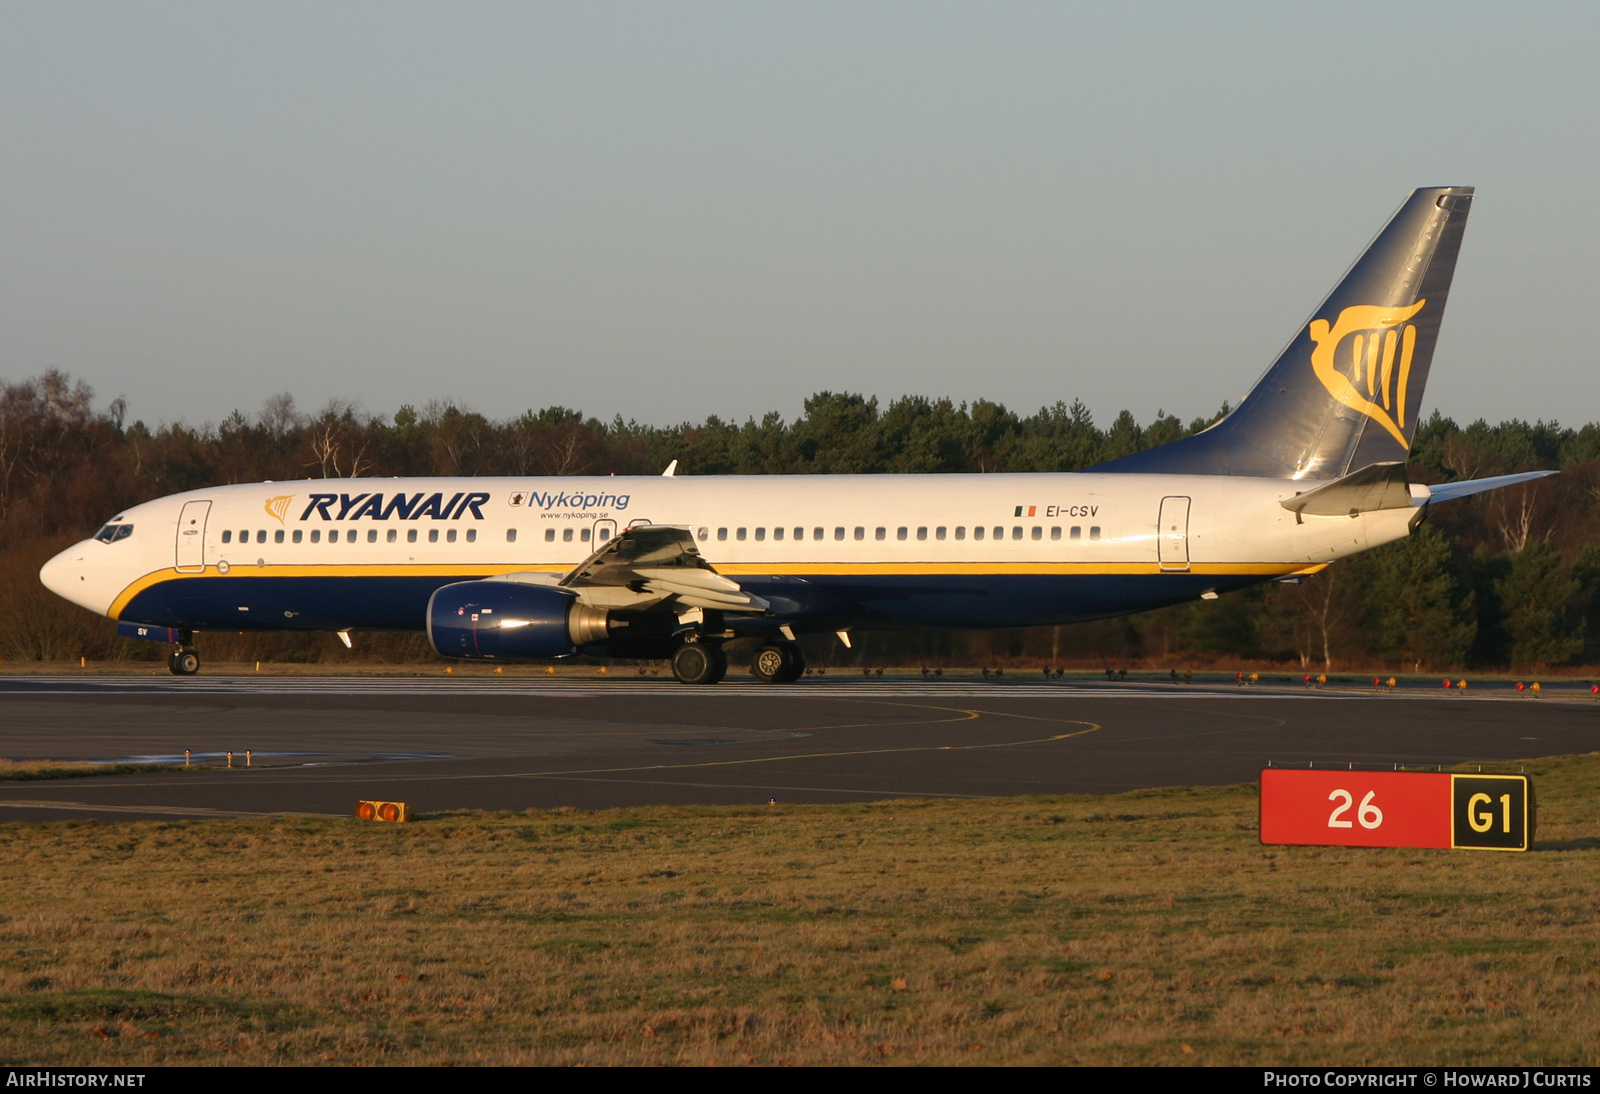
672	470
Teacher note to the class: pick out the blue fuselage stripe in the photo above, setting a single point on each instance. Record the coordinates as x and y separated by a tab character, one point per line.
929	600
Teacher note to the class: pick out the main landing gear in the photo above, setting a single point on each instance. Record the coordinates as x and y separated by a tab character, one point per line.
699	662
779	663
702	661
183	662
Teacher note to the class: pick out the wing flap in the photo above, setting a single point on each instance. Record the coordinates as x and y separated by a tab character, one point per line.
659	560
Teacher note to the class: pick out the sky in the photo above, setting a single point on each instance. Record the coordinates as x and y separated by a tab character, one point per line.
666	211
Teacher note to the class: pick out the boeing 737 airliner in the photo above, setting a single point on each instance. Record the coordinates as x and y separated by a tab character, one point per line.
1308	469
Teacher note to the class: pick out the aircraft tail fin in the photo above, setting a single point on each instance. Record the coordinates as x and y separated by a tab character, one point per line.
1347	390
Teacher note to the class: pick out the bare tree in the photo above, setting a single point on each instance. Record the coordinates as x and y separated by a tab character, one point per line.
278	415
333	434
42	422
1513	514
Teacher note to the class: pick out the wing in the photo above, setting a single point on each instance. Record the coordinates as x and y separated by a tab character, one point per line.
656	562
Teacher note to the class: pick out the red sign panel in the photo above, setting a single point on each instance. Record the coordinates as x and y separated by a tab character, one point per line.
1356	808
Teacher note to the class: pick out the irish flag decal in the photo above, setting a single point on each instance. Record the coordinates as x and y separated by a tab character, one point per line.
1026	510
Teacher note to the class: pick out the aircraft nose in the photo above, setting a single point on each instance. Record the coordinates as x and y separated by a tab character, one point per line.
62	574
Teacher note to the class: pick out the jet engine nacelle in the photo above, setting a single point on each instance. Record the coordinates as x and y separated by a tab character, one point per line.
508	621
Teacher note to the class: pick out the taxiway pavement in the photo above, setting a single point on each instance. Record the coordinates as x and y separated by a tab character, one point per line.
317	745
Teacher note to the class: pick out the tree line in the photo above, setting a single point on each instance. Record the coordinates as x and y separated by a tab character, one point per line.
1509	579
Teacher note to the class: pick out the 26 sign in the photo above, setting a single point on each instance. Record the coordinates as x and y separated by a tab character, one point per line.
1396	809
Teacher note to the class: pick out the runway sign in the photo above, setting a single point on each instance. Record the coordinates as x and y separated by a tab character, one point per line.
1396	809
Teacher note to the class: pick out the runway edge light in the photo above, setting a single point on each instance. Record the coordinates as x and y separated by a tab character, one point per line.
382	811
1332	808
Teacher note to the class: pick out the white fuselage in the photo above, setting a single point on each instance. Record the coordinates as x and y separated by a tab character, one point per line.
1169	537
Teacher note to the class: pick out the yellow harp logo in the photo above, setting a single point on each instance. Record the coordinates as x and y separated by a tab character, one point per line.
278	507
1365	377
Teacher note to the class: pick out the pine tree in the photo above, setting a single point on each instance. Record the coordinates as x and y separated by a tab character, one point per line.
1533	596
1418	611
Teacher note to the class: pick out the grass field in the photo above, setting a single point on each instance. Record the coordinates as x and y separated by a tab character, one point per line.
1148	928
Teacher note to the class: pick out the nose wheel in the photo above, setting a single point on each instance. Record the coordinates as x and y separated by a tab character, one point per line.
184	663
699	663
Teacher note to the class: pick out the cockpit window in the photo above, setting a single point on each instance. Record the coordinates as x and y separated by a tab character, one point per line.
113	532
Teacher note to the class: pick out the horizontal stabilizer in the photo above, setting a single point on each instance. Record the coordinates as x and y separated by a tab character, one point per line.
1376	486
1450	490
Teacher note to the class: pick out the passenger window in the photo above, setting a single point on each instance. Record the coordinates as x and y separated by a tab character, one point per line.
816	533
1094	533
961	531
392	535
261	536
277	537
549	535
244	537
977	533
881	534
838	533
227	536
450	535
722	534
761	533
703	534
1055	531
351	535
472	535
1016	532
316	535
1038	533
411	535
800	533
1077	533
922	533
938	533
899	533
511	535
566	535
297	535
583	535
861	533
999	532
777	533
433	535
739	534
372	535
605	534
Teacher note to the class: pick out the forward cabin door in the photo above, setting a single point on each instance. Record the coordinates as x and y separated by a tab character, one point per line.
192	537
1172	534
